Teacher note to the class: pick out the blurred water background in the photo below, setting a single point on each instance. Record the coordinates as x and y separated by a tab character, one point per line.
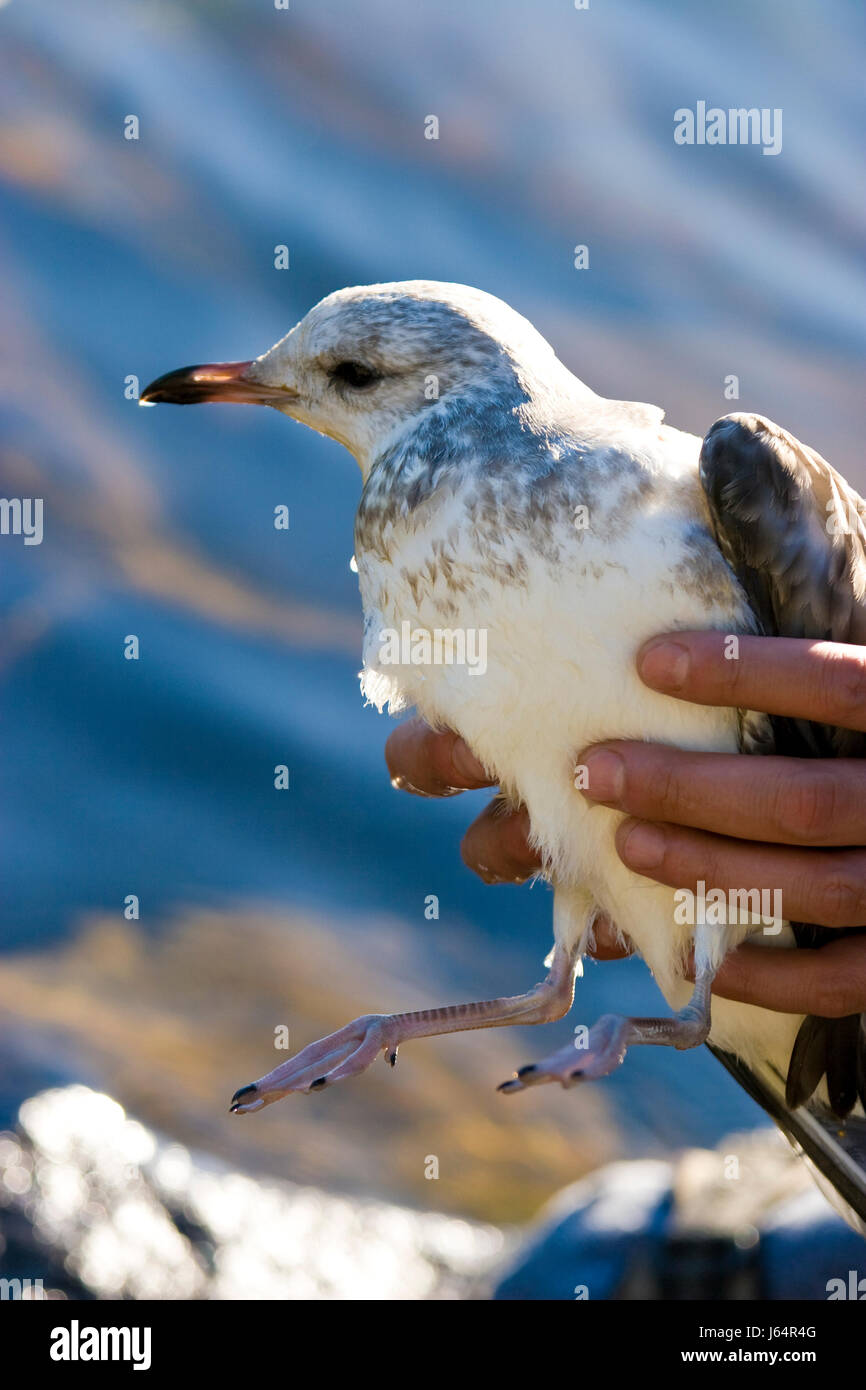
305	127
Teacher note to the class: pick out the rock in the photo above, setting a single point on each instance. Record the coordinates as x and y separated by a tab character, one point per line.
743	1221
94	1204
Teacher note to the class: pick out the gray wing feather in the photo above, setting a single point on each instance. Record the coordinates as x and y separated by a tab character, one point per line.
794	533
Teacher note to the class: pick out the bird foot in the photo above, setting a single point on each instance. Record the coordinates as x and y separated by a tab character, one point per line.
588	1057
602	1049
345	1053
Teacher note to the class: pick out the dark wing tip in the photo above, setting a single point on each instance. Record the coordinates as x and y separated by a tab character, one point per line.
808	1061
842	1063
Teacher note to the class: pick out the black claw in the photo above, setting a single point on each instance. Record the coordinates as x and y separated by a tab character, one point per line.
317	1085
525	1071
238	1096
392	1057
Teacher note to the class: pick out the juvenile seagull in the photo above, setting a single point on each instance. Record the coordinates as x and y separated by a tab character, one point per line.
502	494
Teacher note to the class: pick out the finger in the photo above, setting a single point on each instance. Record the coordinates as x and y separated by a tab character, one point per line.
496	845
607	942
830	983
431	763
824	887
798	801
824	681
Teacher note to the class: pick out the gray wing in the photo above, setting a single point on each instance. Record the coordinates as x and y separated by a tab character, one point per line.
794	533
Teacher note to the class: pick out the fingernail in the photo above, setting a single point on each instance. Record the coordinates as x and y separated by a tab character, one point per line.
643	846
664	665
465	762
605	775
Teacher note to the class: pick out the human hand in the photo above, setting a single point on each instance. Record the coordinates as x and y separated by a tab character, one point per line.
791	824
496	846
797	825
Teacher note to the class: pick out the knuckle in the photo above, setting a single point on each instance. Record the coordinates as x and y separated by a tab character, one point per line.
833	991
842	899
806	806
733	674
844	689
661	788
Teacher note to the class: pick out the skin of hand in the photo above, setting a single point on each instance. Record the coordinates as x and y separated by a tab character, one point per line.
791	824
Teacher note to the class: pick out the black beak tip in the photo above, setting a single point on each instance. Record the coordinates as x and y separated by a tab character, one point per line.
172	388
209	381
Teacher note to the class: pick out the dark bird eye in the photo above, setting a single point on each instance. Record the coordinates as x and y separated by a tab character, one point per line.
354	374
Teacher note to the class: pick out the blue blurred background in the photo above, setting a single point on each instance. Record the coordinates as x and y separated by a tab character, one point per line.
305	127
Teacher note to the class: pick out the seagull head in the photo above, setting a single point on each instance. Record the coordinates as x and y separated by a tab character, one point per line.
365	363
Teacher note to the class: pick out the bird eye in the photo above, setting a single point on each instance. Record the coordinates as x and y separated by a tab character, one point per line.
354	374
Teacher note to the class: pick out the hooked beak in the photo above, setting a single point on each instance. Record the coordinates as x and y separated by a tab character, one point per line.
214	381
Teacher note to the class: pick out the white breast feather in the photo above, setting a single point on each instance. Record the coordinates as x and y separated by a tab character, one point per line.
560	675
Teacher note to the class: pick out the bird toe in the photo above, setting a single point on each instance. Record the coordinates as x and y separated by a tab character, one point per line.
245	1099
